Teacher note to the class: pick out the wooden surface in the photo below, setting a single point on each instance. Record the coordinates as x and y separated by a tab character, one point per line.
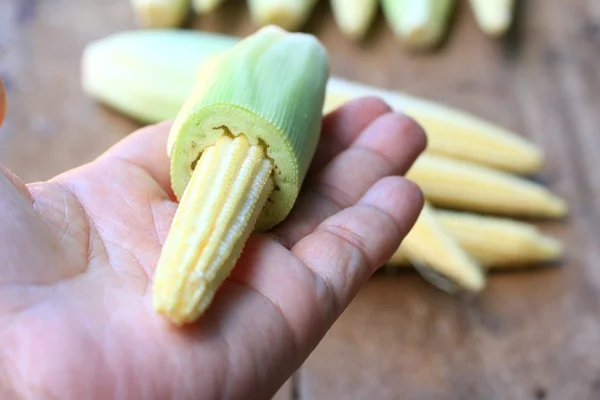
530	335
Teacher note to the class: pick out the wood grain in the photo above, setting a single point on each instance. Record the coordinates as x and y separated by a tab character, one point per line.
530	335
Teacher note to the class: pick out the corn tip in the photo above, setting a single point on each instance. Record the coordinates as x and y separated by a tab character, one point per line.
557	207
205	6
550	248
472	276
153	14
278	16
493	19
475	279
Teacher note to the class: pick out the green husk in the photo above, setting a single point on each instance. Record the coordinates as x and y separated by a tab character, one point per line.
271	88
148	75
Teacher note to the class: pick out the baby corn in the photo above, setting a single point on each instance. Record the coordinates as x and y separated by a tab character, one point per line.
467	186
354	17
494	17
429	245
450	132
498	243
240	148
290	15
420	24
160	14
206	6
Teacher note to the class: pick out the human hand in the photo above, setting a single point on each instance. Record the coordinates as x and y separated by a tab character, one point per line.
77	255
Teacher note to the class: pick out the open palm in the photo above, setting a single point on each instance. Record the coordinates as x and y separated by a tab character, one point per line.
77	255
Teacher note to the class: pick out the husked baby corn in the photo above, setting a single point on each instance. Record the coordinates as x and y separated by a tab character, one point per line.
494	17
206	6
429	244
456	184
495	242
419	24
240	148
160	14
287	14
450	132
354	17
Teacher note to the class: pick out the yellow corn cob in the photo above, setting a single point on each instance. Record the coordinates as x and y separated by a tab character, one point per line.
160	14
251	125
462	185
429	245
420	24
288	14
206	6
494	17
354	17
494	242
450	132
148	74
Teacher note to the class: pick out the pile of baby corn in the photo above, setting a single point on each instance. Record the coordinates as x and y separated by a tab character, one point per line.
418	24
476	176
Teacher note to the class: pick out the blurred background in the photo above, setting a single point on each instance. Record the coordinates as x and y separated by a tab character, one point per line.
532	333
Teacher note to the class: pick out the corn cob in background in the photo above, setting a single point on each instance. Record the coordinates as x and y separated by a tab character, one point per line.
148	74
429	245
354	17
494	242
160	14
251	124
206	6
462	185
420	25
494	17
290	15
450	132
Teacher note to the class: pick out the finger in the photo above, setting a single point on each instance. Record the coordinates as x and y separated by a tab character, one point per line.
342	126
297	304
294	306
388	146
2	102
348	247
146	148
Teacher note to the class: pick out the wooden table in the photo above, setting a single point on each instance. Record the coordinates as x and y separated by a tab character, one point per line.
531	334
